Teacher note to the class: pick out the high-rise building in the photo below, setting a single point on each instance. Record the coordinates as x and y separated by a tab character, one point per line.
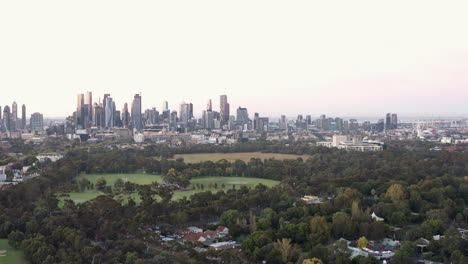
165	106
89	109
125	116
109	112
308	120
283	122
79	116
209	106
388	121
23	116
257	121
224	110
394	121
14	117
242	116
37	122
184	114
174	118
151	116
208	120
136	113
98	115
263	124
6	119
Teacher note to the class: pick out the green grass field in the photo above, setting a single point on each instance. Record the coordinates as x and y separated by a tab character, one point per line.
141	178
231	157
12	256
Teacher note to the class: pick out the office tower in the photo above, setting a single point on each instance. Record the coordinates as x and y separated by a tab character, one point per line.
23	116
174	118
125	116
117	119
136	119
263	124
388	121
6	118
231	122
209	106
184	115
98	115
166	116
14	117
339	124
394	121
224	110
109	113
79	116
256	121
242	116
89	109
283	123
37	122
0	112
380	126
150	116
308	120
190	110
165	106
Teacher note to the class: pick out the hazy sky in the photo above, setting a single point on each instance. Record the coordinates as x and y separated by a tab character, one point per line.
334	57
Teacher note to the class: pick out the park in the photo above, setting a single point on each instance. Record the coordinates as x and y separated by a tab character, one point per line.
198	184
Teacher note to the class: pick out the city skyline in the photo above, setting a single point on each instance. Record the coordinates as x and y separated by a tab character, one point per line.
308	57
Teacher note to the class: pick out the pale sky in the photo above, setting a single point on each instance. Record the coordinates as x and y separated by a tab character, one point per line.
274	57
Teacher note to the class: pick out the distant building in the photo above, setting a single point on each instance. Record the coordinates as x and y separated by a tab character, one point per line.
42	157
36	122
136	113
224	110
242	117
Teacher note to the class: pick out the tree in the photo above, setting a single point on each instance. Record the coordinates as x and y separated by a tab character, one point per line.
404	255
100	183
229	218
319	230
362	242
356	211
396	192
312	261
15	238
119	184
342	225
284	247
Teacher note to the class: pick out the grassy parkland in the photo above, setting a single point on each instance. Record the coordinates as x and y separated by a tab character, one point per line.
231	157
9	255
200	184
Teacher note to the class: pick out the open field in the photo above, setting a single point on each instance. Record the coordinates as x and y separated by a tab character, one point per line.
231	157
140	178
12	256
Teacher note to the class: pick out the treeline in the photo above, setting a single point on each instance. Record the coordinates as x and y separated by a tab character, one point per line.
421	193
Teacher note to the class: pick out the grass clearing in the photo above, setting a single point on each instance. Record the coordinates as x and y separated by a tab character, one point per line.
208	183
231	157
8	255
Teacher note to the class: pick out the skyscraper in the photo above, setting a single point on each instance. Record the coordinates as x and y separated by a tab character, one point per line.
37	122
125	116
388	122
23	116
257	121
14	116
98	115
79	118
109	113
184	115
242	116
224	110
89	109
6	118
209	106
165	106
136	113
394	121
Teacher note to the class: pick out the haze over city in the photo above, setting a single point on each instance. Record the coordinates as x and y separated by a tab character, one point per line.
349	59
